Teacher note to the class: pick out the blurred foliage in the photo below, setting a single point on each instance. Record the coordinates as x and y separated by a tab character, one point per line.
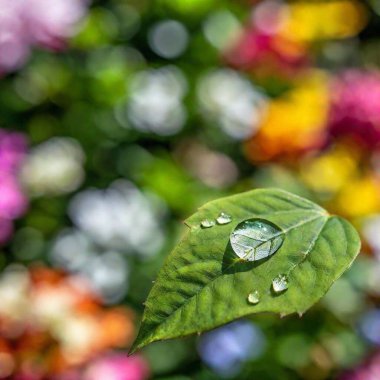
136	113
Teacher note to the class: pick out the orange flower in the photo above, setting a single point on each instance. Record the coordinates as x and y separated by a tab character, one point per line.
57	321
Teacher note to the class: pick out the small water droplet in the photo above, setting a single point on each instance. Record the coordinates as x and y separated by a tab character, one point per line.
254	297
280	283
207	223
223	218
256	239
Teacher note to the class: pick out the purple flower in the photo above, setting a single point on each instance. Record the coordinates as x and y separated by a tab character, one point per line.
355	107
226	348
12	150
6	230
369	326
26	23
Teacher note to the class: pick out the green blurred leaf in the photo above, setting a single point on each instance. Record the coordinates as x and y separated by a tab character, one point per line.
203	284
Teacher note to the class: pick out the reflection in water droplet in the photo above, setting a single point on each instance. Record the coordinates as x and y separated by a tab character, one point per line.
254	297
256	239
207	223
280	283
223	218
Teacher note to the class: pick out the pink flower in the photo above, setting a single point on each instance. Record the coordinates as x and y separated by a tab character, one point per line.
369	370
49	23
13	201
13	41
355	108
26	23
69	375
28	376
266	52
118	367
263	48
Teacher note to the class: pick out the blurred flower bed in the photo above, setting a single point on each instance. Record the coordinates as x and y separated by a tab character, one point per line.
120	117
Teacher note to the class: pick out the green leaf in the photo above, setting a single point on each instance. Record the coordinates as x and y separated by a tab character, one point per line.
203	284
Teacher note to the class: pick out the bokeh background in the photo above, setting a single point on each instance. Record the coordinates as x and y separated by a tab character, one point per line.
120	117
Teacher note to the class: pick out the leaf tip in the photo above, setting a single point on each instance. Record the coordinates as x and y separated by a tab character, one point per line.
142	339
132	350
136	345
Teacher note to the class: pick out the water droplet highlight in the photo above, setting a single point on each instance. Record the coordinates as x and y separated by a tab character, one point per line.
280	283
254	297
207	223
256	239
223	218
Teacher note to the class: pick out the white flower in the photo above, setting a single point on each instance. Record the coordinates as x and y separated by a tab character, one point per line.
54	167
120	218
231	100
107	272
156	101
26	23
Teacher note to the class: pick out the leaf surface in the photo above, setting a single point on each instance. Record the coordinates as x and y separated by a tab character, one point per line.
203	284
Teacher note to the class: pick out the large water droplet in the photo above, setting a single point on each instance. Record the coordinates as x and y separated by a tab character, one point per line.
256	239
223	218
207	223
280	283
254	297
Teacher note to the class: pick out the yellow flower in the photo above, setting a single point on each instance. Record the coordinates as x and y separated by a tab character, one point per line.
329	172
360	197
313	20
